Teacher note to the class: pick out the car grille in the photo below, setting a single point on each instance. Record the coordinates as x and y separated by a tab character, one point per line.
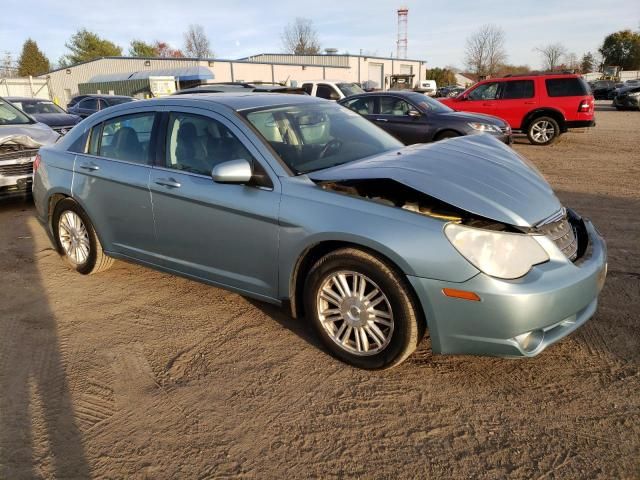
63	130
15	169
558	229
13	152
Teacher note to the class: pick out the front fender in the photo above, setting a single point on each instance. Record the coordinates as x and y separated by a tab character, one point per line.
415	243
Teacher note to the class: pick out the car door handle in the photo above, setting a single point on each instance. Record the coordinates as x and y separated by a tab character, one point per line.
90	166
168	182
381	120
530	103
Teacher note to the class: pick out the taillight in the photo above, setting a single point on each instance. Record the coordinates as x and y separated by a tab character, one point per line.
36	163
584	106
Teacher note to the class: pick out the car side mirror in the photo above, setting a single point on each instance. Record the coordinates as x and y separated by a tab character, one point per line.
414	113
233	171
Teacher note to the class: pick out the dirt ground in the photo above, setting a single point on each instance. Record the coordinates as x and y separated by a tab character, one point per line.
136	374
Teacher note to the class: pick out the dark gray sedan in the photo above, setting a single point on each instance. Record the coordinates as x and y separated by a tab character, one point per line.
415	118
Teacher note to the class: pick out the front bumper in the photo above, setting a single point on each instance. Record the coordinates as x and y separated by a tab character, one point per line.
548	303
16	176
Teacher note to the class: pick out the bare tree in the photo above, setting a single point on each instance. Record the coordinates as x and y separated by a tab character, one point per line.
552	55
300	37
485	50
196	43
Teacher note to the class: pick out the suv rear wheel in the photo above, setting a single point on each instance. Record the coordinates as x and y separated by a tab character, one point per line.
543	131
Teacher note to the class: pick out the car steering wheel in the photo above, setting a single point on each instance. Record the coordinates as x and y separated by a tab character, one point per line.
330	148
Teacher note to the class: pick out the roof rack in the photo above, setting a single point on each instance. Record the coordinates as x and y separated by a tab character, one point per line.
535	74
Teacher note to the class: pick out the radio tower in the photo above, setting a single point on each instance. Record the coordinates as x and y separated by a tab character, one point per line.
403	14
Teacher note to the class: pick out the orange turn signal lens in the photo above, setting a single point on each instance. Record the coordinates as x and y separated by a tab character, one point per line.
463	294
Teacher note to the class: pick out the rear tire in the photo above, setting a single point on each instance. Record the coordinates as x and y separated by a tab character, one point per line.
362	309
76	239
543	131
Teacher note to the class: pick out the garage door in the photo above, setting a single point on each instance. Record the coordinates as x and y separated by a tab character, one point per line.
375	74
406	69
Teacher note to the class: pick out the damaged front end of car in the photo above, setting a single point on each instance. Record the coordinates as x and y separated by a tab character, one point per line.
540	266
18	148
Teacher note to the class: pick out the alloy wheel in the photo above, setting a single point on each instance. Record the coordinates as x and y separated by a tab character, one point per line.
355	313
74	237
542	131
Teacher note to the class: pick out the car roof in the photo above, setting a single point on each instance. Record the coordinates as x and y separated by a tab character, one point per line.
234	100
103	95
326	81
247	100
528	76
27	99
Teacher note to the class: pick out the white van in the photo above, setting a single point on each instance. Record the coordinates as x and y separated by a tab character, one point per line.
428	87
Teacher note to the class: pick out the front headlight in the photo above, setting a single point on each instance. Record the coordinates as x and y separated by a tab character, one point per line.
484	127
498	254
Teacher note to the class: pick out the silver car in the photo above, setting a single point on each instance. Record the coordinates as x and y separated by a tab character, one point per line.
296	200
20	138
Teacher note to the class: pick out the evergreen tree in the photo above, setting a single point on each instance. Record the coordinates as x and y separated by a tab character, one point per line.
85	45
32	61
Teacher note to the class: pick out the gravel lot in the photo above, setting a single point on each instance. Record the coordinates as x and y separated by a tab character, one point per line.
134	373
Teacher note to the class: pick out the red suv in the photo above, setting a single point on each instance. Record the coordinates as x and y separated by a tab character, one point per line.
544	105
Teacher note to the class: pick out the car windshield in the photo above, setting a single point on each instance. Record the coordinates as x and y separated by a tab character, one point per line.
31	107
316	136
349	89
10	115
428	104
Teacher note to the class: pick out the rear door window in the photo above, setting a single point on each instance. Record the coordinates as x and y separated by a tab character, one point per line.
394	106
308	88
363	106
566	87
89	104
127	137
517	89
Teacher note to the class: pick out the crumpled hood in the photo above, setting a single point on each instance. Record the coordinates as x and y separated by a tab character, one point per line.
32	135
476	173
57	119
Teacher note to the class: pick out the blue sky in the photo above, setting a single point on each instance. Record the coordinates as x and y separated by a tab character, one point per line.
437	30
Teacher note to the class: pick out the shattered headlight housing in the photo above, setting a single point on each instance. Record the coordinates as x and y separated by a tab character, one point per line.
484	127
498	254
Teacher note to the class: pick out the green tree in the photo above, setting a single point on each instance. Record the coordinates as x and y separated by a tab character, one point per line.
32	61
588	63
138	48
85	45
442	76
622	49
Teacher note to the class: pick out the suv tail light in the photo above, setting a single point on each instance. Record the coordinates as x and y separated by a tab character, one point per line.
36	162
585	106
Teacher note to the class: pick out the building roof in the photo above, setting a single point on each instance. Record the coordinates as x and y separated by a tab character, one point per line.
182	74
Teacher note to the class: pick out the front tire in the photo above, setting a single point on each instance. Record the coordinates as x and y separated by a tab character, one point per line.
543	131
362	309
76	239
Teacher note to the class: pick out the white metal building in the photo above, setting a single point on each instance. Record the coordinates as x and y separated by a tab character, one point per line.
292	69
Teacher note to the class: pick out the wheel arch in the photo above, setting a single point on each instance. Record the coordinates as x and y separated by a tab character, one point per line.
438	135
557	115
314	252
55	199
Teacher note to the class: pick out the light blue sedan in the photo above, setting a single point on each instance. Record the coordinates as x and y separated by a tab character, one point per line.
296	200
